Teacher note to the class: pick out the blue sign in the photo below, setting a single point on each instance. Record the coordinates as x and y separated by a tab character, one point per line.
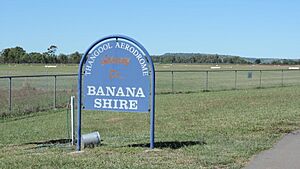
117	78
117	75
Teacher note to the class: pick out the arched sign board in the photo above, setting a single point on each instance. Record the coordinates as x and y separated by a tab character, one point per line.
118	76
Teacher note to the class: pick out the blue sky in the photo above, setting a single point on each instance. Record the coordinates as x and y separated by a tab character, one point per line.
250	28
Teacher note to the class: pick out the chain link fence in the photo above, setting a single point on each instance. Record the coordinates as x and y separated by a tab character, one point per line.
26	94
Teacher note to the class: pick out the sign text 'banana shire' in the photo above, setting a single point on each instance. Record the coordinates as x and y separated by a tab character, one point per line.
116	78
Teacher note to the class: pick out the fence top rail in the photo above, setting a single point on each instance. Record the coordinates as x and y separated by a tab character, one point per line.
41	75
75	74
238	70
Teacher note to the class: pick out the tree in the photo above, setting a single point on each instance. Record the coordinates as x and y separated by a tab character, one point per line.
13	55
1	57
52	50
50	56
4	55
35	57
18	53
257	61
25	58
75	57
62	58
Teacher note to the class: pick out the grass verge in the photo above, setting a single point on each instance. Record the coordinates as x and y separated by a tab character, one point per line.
195	130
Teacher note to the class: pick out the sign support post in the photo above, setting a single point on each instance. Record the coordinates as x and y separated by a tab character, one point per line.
152	113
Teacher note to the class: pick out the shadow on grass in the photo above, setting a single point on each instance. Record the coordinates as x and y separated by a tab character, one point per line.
160	145
60	143
57	141
170	144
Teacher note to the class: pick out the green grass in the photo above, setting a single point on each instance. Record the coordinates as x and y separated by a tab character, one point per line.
42	88
197	130
33	69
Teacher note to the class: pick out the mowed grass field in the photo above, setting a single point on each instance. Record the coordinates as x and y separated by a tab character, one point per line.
34	69
193	130
31	94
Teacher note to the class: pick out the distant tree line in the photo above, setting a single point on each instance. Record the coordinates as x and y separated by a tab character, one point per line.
18	55
274	61
286	62
198	58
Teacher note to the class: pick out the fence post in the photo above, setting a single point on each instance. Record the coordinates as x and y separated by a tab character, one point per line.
72	120
9	94
172	81
172	76
282	77
54	101
235	79
206	85
260	74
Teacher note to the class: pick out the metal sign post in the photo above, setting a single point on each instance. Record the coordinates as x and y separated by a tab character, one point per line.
118	76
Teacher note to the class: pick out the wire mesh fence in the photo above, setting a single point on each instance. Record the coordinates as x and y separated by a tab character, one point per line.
26	94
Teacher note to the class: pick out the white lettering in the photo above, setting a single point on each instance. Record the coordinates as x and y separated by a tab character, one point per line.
133	104
88	68
110	91
142	61
91	90
115	91
130	92
139	57
117	45
131	49
96	53
144	68
123	104
115	104
136	53
122	45
127	47
140	93
120	92
107	103
93	58
106	46
97	103
100	92
145	73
